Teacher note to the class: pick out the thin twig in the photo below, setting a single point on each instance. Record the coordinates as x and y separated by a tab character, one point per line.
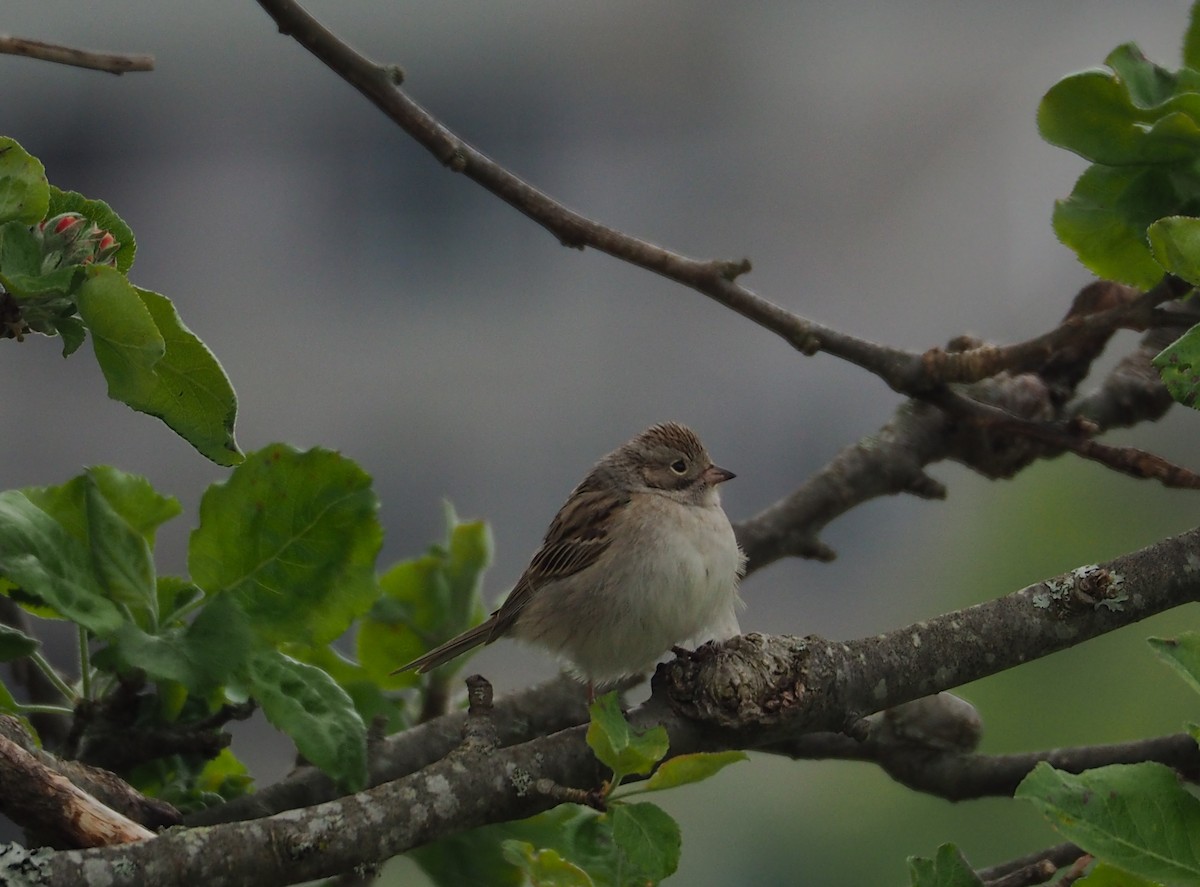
1126	460
110	62
902	370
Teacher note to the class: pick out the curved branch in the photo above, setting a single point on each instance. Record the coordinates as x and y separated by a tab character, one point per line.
893	459
962	777
902	370
518	717
110	62
754	691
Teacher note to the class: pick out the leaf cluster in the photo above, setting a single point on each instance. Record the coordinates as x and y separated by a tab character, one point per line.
281	565
1134	214
149	358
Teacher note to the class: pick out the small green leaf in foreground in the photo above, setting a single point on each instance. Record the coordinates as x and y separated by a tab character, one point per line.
948	869
687	769
1179	366
126	339
1134	816
24	191
192	394
1182	654
1175	243
649	839
544	868
615	744
1103	875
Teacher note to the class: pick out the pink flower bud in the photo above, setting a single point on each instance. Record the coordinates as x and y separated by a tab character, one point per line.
72	239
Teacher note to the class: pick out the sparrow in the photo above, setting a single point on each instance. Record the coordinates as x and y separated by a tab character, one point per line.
639	560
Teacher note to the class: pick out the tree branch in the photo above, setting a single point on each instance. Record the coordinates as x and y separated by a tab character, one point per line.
111	62
38	798
962	777
518	717
893	459
772	684
753	692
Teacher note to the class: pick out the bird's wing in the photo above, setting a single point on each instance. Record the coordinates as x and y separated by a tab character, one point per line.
578	536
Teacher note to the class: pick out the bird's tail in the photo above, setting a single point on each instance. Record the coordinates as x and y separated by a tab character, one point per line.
456	646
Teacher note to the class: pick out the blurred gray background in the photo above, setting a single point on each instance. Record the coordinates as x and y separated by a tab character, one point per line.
879	164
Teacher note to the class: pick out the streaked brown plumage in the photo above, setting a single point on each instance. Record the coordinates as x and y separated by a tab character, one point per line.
612	614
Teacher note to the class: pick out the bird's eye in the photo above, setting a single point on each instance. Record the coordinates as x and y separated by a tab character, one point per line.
679	466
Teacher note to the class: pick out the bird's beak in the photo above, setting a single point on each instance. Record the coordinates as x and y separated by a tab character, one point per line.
714	475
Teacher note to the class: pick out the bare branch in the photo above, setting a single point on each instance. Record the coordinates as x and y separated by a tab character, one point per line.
1098	311
893	459
902	370
38	798
961	777
103	785
111	62
1022	871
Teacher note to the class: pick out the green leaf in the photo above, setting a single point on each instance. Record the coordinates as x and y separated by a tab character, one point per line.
224	776
1134	816
1175	244
115	516
21	274
544	868
1103	875
475	856
129	495
293	537
306	704
126	339
72	331
24	191
687	769
615	744
425	601
1105	220
191	394
1132	112
1182	654
469	553
15	643
163	658
156	365
1179	366
200	656
648	838
134	499
20	259
121	556
219	641
39	555
948	869
369	697
103	215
